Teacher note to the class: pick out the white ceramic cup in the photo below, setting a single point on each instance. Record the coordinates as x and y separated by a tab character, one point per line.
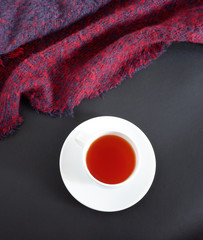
85	140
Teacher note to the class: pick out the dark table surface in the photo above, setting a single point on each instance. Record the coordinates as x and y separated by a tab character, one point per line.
166	101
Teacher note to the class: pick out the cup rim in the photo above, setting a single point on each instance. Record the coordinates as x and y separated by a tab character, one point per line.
125	137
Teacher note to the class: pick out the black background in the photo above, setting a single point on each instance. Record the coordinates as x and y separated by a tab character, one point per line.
166	101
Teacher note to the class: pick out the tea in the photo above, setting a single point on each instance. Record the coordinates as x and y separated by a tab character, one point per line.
111	159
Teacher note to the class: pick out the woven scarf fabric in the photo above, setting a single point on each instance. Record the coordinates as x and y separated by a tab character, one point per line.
56	53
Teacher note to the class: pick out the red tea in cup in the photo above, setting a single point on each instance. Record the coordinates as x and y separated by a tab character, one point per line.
111	159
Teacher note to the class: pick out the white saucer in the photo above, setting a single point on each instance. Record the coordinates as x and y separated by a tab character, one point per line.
93	194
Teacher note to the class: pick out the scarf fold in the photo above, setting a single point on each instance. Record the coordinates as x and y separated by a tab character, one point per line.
57	53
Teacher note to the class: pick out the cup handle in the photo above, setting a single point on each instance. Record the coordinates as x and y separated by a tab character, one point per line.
81	138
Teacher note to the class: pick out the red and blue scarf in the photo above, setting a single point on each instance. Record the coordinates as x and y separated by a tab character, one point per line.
56	53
